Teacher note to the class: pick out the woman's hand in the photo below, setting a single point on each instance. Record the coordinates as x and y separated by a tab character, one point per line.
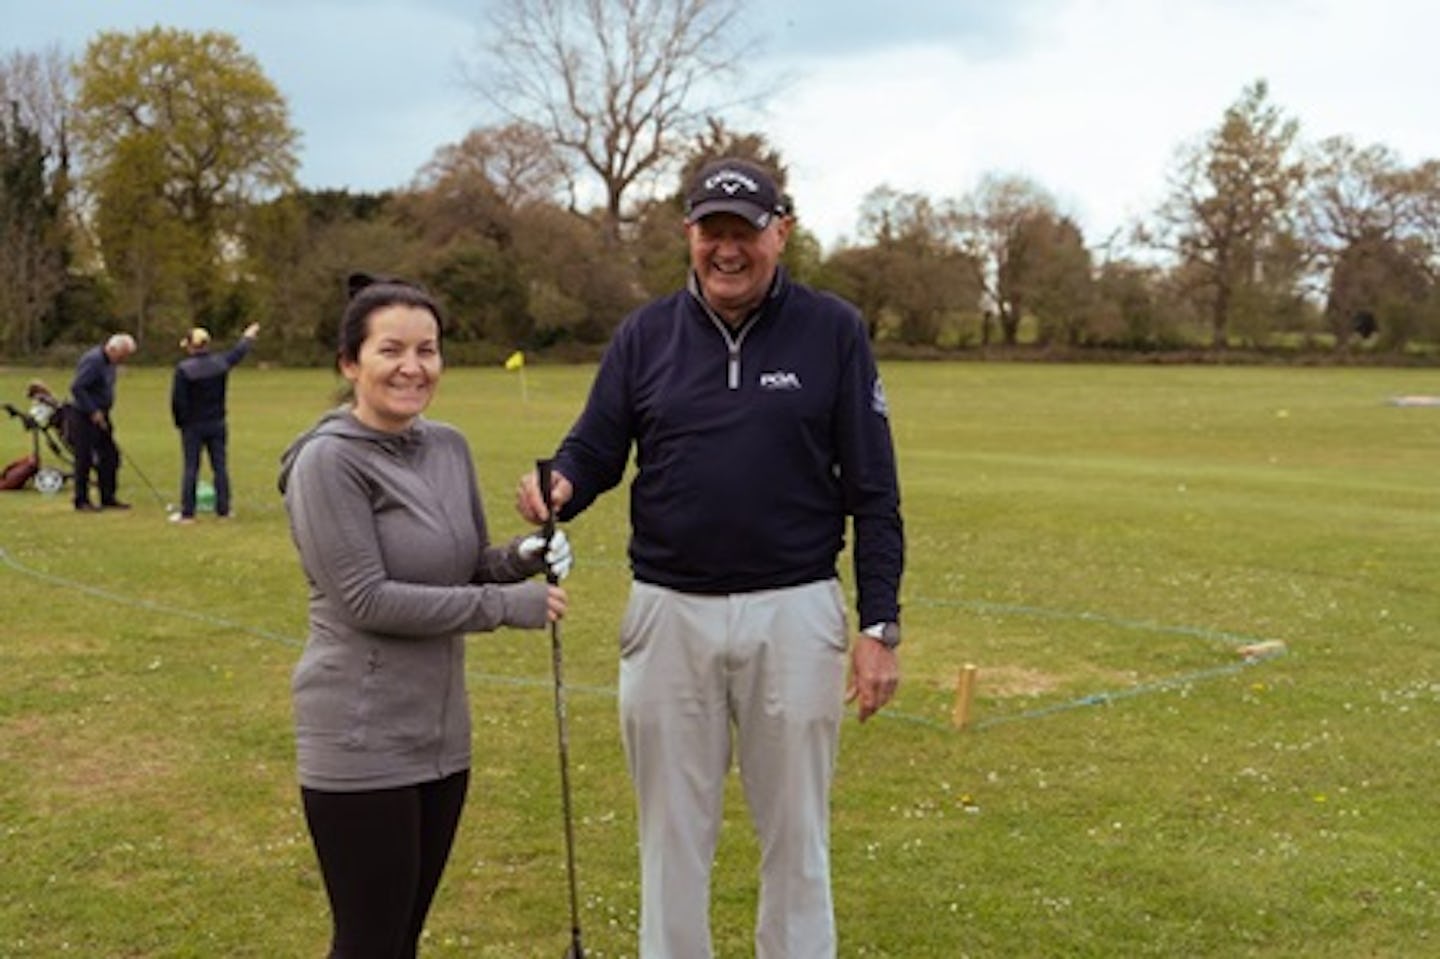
555	603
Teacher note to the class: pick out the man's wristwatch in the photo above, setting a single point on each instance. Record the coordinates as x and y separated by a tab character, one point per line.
886	633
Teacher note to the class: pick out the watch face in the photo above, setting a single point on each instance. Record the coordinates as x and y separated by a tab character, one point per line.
887	633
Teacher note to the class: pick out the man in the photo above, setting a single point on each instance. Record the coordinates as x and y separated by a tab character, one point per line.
197	404
760	426
92	394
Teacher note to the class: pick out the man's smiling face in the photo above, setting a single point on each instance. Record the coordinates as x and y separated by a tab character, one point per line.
735	262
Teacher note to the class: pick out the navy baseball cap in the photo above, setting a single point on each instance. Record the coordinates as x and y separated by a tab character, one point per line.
734	186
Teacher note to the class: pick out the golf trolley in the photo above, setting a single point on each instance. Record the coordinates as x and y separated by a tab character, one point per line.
46	422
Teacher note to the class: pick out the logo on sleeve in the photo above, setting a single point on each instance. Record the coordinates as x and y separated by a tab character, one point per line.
780	380
877	399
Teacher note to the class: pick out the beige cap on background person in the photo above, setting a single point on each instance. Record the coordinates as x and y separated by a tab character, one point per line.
198	336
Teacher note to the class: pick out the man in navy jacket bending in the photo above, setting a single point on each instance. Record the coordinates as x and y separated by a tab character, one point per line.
92	433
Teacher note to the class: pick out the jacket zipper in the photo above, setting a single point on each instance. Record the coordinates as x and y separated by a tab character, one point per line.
733	342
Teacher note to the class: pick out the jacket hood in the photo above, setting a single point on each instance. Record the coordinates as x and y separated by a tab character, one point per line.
341	422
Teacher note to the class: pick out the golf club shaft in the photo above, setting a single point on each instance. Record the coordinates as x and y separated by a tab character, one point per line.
544	474
562	725
127	458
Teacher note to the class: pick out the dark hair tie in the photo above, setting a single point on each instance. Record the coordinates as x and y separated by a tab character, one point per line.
356	282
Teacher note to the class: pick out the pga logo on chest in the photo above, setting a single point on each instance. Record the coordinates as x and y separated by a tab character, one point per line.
780	380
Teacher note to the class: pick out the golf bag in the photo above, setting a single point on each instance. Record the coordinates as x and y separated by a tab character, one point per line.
50	420
19	472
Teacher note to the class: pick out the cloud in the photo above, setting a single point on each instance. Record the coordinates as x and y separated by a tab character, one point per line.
1089	98
837	28
1094	98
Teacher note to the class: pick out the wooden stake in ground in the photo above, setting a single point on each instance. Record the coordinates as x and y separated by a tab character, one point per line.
964	692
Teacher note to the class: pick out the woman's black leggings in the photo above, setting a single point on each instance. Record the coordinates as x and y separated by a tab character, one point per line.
382	853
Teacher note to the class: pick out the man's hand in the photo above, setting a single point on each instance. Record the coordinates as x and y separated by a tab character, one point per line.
251	331
531	505
874	675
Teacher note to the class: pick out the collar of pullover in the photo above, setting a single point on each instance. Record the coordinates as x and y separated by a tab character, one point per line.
341	422
777	287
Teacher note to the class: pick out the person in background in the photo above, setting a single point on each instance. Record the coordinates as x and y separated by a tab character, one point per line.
92	433
760	428
197	405
386	516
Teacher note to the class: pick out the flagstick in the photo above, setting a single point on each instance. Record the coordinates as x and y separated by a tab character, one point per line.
524	390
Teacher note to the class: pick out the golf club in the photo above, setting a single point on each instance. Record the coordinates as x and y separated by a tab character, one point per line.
130	460
543	469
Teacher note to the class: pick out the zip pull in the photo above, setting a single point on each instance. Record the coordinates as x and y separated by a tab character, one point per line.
734	366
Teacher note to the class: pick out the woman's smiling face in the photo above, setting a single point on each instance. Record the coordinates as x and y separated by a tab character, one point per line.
398	368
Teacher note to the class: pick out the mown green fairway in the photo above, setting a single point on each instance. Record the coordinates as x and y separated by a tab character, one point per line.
1099	541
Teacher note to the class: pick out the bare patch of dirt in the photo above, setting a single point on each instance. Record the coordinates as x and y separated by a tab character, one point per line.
1009	681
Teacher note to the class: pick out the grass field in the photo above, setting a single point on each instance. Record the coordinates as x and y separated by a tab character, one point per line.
1099	541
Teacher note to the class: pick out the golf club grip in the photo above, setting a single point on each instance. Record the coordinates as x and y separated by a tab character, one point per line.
544	473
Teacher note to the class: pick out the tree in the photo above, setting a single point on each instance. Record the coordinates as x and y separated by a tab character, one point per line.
32	252
35	239
514	164
1127	305
919	277
1231	209
1378	285
611	81
576	288
467	206
1365	217
987	224
179	133
1048	267
299	249
40	85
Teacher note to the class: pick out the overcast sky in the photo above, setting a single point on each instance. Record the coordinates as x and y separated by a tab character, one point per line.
1090	98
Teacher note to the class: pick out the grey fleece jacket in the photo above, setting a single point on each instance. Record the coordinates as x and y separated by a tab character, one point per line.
392	538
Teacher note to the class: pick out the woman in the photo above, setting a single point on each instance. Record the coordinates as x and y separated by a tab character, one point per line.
385	513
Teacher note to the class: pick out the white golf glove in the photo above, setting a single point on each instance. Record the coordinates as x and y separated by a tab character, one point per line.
558	557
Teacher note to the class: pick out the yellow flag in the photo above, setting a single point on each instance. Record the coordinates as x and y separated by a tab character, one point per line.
515	361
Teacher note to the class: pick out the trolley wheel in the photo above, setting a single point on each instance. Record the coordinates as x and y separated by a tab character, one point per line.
49	480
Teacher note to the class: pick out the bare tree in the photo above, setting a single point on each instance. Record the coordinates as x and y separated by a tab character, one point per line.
1424	184
517	161
611	82
1354	211
1231	209
1354	192
39	85
1366	227
478	185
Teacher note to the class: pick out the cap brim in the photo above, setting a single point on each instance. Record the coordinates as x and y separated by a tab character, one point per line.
756	216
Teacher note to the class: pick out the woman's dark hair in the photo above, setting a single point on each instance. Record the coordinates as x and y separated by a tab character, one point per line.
370	293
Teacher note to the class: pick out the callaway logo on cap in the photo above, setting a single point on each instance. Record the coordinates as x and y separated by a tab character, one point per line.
733	186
